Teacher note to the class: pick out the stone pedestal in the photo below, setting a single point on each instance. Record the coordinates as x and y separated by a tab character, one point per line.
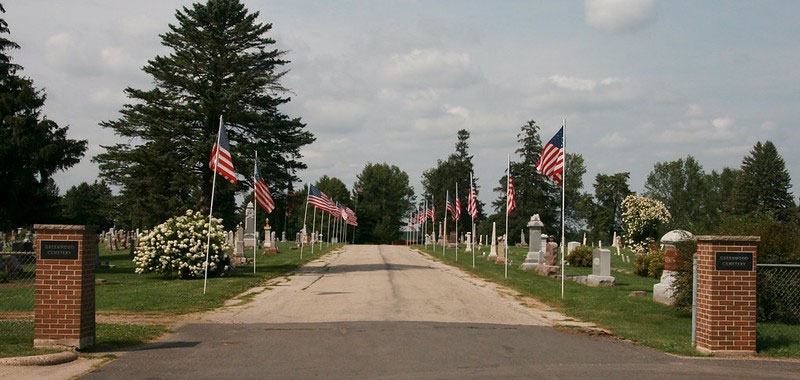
493	249
726	294
601	269
501	250
535	227
548	263
664	291
64	312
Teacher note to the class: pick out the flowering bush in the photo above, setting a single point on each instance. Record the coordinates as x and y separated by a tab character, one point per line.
642	216
177	248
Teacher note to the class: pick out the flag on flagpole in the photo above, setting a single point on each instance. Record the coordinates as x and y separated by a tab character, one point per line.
551	163
450	208
221	161
510	202
472	202
458	208
316	198
263	197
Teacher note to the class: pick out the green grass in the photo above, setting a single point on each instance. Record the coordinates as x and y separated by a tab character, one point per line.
125	290
635	318
639	319
18	337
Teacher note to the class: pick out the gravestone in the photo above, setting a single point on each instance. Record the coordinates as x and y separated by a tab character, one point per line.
572	245
535	227
452	240
267	237
522	242
664	291
469	242
501	250
493	250
249	225
283	236
548	264
238	251
601	269
544	240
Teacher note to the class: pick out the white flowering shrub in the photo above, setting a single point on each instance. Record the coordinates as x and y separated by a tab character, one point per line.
641	217
177	248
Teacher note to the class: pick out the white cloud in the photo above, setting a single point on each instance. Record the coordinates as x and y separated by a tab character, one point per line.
722	124
614	140
694	110
429	68
619	15
768	126
700	130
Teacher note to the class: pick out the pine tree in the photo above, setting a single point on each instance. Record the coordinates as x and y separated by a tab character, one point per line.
609	192
221	62
33	147
534	193
763	184
383	199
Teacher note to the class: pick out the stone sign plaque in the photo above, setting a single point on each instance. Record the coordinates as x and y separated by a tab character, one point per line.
59	249
734	261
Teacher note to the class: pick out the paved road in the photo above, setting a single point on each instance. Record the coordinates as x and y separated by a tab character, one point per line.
388	312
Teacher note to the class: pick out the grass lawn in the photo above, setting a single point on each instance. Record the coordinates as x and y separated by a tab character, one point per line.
635	318
127	292
17	337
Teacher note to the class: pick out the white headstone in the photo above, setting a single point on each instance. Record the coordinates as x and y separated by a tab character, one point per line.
493	251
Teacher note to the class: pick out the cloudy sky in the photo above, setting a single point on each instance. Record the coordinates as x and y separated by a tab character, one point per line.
392	81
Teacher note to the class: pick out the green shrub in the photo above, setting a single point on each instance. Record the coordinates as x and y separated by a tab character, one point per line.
683	280
649	264
580	257
656	266
641	265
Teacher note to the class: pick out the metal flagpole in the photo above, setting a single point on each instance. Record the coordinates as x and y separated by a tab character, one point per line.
472	237
329	230
321	219
313	229
425	225
505	238
563	203
211	208
458	216
303	231
444	232
255	215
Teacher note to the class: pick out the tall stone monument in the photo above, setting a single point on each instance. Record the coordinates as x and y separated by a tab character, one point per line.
493	250
249	225
469	242
535	227
501	250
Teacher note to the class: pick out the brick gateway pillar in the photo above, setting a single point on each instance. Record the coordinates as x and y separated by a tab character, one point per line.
65	305
726	294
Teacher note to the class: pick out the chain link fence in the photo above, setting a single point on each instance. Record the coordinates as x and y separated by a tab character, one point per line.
778	313
17	290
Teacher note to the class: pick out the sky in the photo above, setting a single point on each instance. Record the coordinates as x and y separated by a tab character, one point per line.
639	82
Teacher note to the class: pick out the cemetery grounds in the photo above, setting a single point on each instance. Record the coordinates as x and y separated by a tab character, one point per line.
635	318
136	308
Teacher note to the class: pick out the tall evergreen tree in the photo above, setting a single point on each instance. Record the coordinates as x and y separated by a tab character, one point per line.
91	204
32	147
221	61
383	200
606	217
455	169
534	193
764	183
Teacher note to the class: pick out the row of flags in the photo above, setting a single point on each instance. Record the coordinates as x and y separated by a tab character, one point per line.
323	202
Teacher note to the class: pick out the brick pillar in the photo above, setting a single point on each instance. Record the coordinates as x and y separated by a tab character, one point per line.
65	308
726	294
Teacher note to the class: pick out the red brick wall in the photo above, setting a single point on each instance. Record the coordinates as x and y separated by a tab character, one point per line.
726	300
65	302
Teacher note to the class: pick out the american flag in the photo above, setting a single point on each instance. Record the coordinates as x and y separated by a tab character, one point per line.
551	163
472	203
458	208
510	203
351	217
432	214
263	197
450	207
221	161
317	198
330	207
